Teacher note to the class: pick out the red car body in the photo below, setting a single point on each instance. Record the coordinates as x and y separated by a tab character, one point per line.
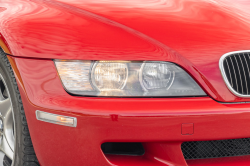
192	34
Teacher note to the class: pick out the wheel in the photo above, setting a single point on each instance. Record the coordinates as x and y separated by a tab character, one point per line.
15	139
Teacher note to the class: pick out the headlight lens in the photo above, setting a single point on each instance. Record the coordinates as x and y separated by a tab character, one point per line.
126	78
109	75
156	75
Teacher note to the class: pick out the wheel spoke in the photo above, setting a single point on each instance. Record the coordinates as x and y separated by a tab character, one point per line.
5	93
8	129
1	96
4	146
5	107
7	136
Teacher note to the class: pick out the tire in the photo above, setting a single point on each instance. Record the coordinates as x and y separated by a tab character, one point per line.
24	154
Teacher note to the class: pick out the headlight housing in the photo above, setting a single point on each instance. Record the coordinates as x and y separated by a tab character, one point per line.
126	79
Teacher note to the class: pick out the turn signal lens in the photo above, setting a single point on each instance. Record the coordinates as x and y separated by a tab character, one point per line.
57	119
75	75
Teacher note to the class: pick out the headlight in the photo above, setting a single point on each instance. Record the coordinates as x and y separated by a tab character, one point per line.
109	75
126	78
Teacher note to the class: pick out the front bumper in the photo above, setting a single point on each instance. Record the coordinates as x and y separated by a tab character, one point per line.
156	122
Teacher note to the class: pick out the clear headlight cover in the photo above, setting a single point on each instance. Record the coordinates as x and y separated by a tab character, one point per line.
126	79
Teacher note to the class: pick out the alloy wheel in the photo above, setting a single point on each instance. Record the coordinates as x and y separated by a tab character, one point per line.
7	125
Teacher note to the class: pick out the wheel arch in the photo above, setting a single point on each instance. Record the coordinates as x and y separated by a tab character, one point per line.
4	45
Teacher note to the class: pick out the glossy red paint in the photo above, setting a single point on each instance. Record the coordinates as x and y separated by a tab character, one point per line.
156	122
193	34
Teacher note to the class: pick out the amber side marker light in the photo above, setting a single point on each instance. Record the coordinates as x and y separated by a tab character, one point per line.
56	119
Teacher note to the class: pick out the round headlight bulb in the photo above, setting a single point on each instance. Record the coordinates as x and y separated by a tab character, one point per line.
108	75
156	75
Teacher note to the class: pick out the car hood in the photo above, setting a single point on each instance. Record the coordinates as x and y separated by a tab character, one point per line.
200	31
191	33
